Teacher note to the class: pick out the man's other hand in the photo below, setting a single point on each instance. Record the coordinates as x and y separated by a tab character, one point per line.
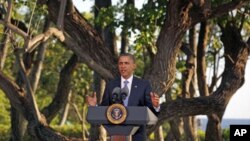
92	100
155	99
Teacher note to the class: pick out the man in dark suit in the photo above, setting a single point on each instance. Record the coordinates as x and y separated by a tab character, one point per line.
139	91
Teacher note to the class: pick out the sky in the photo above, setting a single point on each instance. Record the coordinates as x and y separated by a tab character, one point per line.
238	106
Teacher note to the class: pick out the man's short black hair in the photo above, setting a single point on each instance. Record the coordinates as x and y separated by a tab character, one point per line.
128	55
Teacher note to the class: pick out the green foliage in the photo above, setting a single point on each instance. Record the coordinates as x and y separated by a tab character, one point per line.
181	65
43	98
201	135
146	25
246	30
219	2
226	134
55	58
89	17
82	78
69	130
142	24
5	109
30	14
106	17
10	64
4	132
166	130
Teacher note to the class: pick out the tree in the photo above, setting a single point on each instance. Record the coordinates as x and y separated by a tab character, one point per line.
77	35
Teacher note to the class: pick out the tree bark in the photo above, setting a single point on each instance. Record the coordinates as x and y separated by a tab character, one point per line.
201	59
213	129
18	125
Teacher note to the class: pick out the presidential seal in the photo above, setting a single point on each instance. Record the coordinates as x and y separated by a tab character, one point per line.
116	113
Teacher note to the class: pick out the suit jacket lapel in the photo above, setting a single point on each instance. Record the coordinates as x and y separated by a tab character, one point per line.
117	83
133	90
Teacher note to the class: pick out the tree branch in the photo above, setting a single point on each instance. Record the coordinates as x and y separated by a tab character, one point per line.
14	29
84	41
218	11
43	37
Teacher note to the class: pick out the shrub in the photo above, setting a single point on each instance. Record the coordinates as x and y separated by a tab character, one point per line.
4	132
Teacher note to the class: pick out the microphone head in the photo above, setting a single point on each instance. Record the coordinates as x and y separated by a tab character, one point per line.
116	90
124	93
116	95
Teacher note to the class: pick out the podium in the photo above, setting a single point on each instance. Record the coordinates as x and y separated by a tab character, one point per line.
136	116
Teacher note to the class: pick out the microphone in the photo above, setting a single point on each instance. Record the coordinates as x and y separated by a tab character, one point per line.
124	93
116	95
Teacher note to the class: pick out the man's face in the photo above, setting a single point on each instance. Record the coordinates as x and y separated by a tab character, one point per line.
126	66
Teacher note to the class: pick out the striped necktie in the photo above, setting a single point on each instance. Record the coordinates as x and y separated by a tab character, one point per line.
125	102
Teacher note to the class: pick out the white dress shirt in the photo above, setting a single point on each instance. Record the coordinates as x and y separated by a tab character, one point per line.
130	79
129	85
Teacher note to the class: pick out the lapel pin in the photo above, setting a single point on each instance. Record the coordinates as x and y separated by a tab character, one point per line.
135	86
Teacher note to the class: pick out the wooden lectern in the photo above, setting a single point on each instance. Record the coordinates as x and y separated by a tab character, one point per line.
136	116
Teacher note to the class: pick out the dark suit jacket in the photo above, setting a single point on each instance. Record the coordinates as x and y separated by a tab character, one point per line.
139	96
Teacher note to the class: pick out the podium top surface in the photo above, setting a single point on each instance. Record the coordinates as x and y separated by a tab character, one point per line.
135	116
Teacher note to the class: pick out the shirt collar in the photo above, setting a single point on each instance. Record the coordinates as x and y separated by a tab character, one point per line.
129	79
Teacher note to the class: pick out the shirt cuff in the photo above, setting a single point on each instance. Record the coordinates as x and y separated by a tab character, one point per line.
157	109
